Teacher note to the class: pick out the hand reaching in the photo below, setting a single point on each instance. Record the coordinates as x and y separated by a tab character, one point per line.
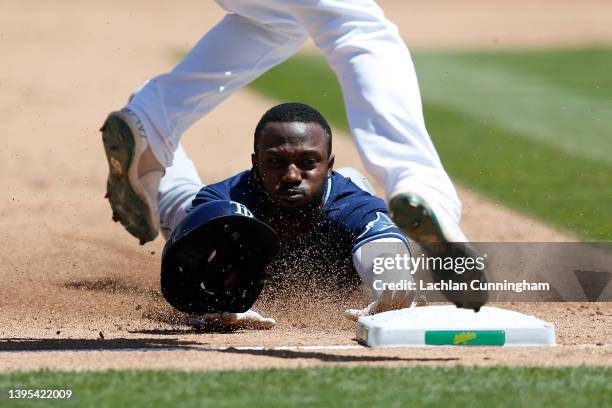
247	320
389	300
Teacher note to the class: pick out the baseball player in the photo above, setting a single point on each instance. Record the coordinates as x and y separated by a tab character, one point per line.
325	220
380	92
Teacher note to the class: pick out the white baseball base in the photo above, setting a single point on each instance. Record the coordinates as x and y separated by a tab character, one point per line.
449	326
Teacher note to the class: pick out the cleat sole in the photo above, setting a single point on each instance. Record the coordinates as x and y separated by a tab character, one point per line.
128	204
414	217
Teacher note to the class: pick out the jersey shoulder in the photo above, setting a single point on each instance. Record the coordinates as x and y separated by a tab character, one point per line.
358	212
343	195
240	188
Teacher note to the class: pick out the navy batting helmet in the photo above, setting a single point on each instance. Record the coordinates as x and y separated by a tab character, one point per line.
215	259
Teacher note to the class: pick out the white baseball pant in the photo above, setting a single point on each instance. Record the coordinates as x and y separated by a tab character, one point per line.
371	62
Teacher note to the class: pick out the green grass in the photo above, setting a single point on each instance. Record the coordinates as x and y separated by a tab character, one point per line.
359	387
532	130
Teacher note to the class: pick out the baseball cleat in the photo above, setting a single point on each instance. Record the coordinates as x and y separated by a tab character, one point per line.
439	238
134	175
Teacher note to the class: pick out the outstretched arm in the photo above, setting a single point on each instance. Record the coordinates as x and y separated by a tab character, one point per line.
391	287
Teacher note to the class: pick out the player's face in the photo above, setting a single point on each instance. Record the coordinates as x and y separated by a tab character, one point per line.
292	162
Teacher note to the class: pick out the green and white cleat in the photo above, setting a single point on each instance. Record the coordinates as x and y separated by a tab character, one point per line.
134	175
443	238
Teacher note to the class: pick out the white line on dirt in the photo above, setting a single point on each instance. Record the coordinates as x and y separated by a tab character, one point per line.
246	348
334	347
195	348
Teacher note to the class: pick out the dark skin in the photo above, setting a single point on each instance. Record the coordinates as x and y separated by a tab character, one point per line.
293	163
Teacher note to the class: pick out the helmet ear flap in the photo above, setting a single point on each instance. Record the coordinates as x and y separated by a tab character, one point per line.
215	260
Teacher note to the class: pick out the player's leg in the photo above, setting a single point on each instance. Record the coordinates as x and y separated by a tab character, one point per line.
381	93
134	175
232	54
140	139
177	190
384	108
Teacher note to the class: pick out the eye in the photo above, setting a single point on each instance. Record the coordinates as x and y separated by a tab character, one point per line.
274	162
309	163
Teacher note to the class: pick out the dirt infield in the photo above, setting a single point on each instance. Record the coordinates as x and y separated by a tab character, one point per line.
73	281
501	24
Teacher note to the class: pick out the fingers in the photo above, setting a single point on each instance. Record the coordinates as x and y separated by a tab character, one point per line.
386	296
354	314
247	320
253	320
393	300
206	320
403	298
419	301
388	300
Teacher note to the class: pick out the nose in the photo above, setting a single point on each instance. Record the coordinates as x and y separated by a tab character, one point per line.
293	175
